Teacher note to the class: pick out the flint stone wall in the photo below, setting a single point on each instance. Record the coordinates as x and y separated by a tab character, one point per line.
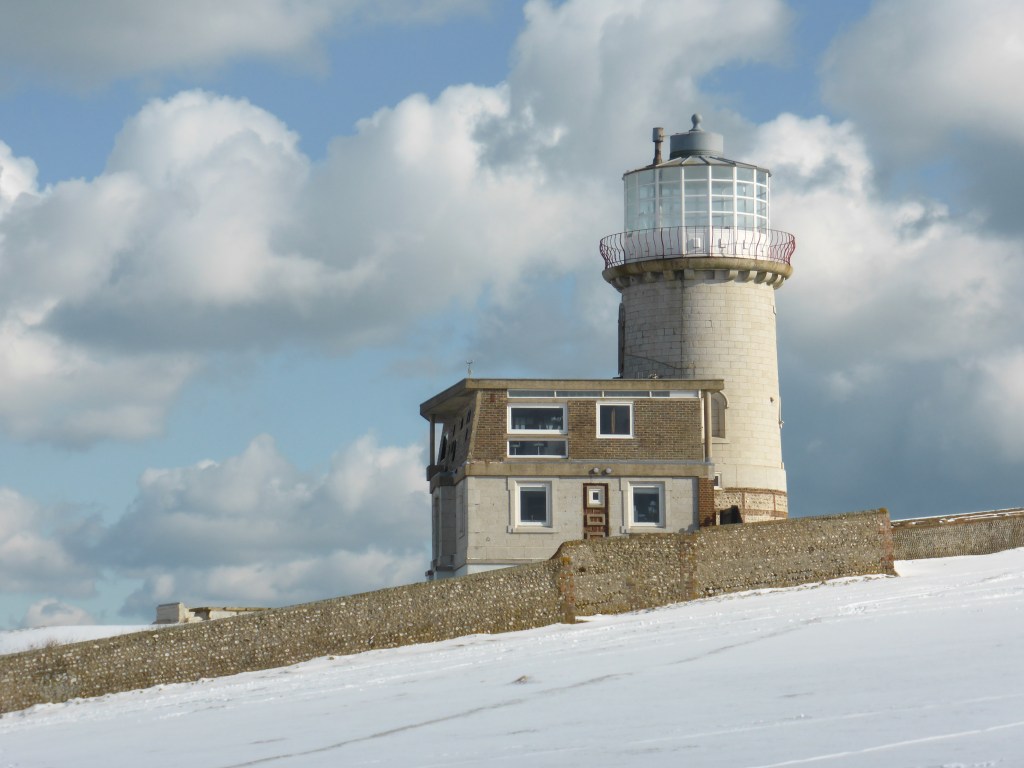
980	533
784	553
498	601
584	578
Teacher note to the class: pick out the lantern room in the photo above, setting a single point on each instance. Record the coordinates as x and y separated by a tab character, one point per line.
696	187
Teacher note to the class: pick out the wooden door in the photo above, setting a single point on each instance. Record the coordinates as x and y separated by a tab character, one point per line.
595	510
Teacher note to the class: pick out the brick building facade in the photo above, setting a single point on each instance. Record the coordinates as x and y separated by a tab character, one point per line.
521	466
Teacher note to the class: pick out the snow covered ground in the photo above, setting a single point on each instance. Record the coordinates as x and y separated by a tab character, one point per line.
923	670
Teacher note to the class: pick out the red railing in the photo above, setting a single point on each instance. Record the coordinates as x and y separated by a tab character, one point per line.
673	242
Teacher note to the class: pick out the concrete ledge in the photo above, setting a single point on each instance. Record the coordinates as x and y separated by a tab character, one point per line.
731	267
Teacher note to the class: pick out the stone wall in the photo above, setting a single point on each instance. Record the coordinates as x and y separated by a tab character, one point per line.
626	573
583	578
785	553
497	601
980	533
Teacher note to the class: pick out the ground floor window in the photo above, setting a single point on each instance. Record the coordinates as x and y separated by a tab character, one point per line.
533	503
647	504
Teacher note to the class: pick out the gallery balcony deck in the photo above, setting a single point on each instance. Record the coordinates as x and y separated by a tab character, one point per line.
706	242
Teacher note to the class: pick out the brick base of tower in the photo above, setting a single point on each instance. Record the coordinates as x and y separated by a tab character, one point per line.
748	505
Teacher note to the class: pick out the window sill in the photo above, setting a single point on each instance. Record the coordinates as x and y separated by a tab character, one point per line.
530	529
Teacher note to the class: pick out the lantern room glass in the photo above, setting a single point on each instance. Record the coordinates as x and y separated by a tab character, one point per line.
716	195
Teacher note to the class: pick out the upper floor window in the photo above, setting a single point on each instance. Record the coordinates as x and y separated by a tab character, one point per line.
614	419
536	418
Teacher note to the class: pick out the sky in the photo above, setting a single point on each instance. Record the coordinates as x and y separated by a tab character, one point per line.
747	680
241	242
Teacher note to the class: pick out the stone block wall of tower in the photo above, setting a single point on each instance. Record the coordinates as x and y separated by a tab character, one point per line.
703	322
707	325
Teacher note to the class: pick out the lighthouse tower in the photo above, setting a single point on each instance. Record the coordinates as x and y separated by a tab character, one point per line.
697	266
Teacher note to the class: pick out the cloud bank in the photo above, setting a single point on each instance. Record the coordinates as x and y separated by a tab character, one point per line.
251	529
87	45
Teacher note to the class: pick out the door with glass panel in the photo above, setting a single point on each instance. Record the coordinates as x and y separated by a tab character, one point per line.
595	510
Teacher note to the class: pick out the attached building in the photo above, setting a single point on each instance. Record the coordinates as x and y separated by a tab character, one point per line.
521	465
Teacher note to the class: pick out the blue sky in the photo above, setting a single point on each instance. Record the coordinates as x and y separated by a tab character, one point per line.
240	245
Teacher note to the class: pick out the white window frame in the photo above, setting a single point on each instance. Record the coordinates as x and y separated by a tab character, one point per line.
631	512
547	406
597	412
521	485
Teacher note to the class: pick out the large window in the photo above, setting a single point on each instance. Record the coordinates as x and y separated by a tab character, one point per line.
647	504
536	418
533	503
614	419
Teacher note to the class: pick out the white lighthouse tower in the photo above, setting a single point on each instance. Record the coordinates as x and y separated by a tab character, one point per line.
697	266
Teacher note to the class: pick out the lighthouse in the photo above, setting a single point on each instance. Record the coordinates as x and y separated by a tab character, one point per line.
686	436
697	266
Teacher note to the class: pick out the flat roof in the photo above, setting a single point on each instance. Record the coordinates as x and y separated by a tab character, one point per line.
453	400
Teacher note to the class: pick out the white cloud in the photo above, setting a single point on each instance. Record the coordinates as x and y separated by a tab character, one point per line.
593	77
50	612
875	279
932	83
250	529
898	314
920	73
39	549
111	289
210	230
87	44
993	389
17	177
254	529
207	231
64	393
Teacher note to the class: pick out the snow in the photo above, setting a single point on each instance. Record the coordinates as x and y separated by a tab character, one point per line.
921	670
